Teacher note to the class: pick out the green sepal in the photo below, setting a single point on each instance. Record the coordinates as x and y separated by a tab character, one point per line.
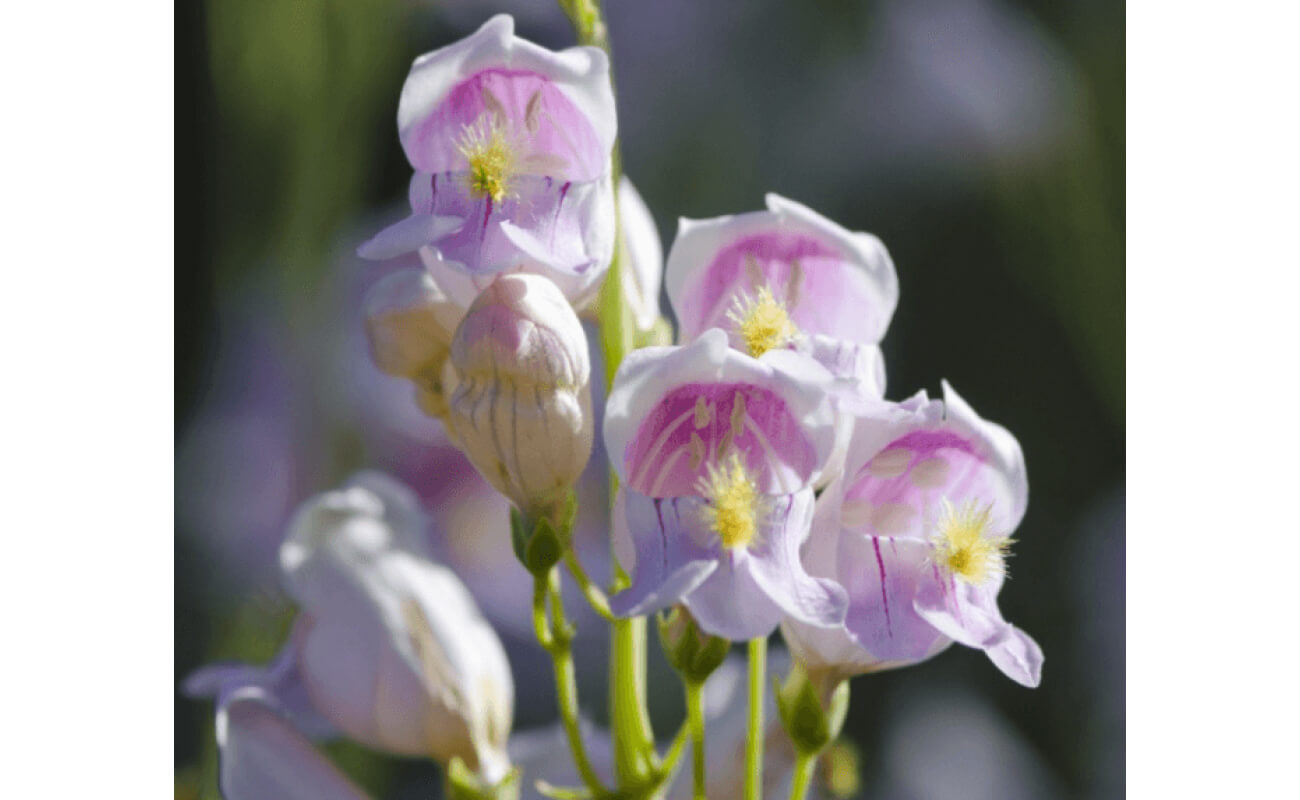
544	549
539	545
811	723
464	784
519	535
692	652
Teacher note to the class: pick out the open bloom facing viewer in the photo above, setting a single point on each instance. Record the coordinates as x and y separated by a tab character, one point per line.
511	147
718	453
918	532
787	278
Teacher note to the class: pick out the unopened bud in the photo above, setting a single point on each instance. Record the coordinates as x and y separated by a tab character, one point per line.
522	407
540	543
410	323
812	710
692	652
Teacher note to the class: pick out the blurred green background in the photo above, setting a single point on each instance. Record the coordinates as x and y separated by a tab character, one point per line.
982	140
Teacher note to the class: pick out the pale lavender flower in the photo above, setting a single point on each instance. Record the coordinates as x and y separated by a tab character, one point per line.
511	147
390	649
280	683
787	278
917	531
717	454
264	755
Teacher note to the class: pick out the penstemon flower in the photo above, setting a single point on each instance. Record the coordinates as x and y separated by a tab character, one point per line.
917	530
389	649
786	278
264	755
511	146
717	453
522	406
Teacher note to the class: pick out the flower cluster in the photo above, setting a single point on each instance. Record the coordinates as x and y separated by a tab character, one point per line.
764	481
719	443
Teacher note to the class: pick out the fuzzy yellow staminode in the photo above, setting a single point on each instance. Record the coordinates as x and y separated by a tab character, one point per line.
762	322
492	159
734	502
963	547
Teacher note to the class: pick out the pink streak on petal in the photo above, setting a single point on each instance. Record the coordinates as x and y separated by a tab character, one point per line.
955	469
884	593
563	136
830	296
770	441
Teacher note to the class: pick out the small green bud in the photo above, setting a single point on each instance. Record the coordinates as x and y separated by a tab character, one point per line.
544	548
541	544
812	715
692	652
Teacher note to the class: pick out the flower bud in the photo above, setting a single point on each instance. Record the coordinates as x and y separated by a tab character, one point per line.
812	711
391	647
522	407
692	652
410	323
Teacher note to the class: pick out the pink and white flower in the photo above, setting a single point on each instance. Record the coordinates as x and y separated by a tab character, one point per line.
717	453
917	531
389	648
511	146
786	278
521	410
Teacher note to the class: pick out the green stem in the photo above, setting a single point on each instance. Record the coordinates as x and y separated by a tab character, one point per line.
673	757
629	719
556	637
695	719
590	590
803	770
540	625
634	747
754	736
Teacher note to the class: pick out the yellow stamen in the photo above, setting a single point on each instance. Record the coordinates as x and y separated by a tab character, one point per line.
734	502
762	322
492	159
964	547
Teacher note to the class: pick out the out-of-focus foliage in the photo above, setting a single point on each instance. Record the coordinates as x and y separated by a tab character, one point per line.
302	92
